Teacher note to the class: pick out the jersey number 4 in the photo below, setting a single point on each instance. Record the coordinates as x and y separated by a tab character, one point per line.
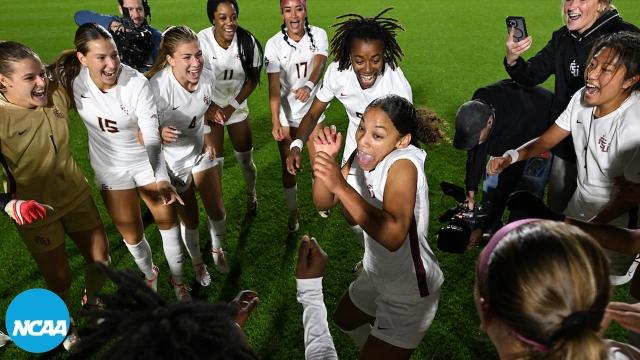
108	125
304	66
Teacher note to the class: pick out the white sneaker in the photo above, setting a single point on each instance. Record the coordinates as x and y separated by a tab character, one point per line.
71	341
324	213
220	261
181	290
202	275
153	282
293	224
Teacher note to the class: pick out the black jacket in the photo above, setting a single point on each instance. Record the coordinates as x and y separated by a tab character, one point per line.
565	56
521	114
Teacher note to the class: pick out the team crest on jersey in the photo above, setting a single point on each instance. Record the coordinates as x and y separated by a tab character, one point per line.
124	109
105	187
603	144
574	68
370	188
207	100
58	113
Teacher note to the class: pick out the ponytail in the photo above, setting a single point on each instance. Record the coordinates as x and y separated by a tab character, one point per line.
65	69
246	47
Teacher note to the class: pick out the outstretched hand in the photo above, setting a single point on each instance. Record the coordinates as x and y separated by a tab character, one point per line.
627	315
312	260
328	140
245	301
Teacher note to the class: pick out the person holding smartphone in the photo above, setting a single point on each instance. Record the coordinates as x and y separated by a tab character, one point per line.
565	57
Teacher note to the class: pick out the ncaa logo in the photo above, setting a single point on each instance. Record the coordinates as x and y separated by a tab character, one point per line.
37	320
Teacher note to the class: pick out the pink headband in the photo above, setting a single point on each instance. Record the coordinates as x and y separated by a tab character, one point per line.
303	2
481	270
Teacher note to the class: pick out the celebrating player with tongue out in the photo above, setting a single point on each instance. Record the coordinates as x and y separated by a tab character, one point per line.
365	69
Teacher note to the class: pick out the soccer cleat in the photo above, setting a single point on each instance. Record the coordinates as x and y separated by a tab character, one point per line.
99	305
293	224
71	341
153	282
202	275
181	290
252	204
220	261
324	213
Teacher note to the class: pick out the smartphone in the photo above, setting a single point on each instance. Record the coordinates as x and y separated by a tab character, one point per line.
520	26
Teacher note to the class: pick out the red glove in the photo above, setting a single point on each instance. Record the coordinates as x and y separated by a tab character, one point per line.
25	211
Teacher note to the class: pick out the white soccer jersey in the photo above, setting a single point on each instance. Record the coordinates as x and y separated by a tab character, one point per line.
344	86
113	118
294	61
227	68
606	148
185	111
412	269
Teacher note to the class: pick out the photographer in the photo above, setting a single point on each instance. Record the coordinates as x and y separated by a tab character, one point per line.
499	116
137	42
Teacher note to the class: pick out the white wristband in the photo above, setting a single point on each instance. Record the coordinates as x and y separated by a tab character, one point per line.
234	103
513	154
310	84
207	129
296	143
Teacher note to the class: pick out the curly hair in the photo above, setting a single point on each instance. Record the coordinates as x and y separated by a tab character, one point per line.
376	28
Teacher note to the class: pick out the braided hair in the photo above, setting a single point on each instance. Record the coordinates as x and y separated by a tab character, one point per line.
357	26
139	323
246	42
307	28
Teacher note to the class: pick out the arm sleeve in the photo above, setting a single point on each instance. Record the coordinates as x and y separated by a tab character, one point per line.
271	61
83	17
537	69
474	168
146	111
318	343
328	89
321	41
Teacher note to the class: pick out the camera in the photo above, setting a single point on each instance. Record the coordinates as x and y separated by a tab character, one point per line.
135	44
461	221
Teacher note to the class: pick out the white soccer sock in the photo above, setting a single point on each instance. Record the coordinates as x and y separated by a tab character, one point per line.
220	165
217	229
634	337
291	198
191	240
358	233
141	253
245	159
359	335
173	251
94	279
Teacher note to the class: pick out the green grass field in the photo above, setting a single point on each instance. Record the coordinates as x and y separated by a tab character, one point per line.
451	47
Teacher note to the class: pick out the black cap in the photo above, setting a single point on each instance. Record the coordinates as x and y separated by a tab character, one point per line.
471	118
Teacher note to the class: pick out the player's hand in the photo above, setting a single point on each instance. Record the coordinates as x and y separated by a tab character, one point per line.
169	134
326	170
302	94
312	260
26	211
245	302
227	111
497	164
209	147
276	132
214	114
168	193
332	140
516	48
627	315
294	160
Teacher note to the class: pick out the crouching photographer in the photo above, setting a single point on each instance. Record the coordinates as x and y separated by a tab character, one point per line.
501	116
137	42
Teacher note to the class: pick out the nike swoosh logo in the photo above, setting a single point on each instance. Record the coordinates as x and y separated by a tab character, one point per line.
84	96
22	132
343	94
579	122
175	108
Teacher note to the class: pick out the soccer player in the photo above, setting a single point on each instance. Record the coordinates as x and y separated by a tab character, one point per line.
366	68
399	287
45	192
116	103
235	57
294	60
183	90
601	117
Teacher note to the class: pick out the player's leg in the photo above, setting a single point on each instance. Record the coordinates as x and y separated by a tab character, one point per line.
240	136
208	183
289	186
356	320
189	216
